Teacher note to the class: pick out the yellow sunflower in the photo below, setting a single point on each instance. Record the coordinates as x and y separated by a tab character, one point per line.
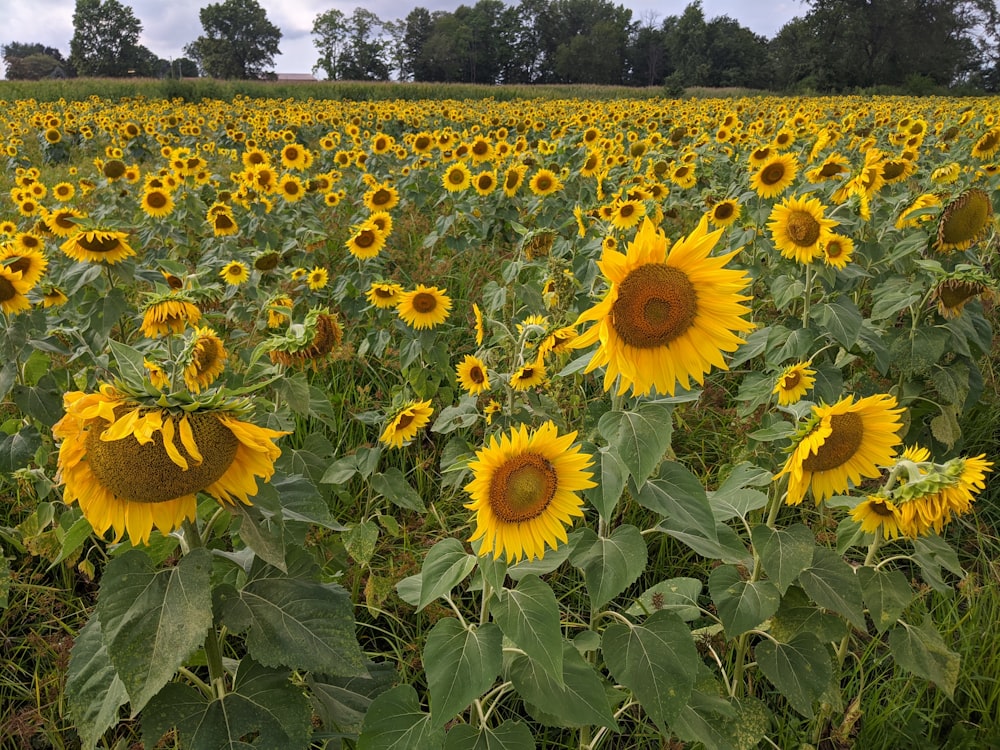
157	203
318	278
799	228
157	375
513	179
922	203
133	468
544	182
626	214
524	491
54	297
529	375
276	315
472	375
964	221
774	176
724	213
62	221
168	314
838	251
878	513
457	178
220	217
485	182
793	383
953	293
291	188
404	425
384	294
13	290
206	360
381	197
668	315
30	263
424	307
235	273
842	444
480	328
98	245
367	242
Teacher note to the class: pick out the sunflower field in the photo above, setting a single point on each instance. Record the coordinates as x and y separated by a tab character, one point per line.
464	423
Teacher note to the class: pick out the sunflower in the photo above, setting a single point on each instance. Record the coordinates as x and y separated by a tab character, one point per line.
12	292
62	221
220	217
318	278
559	341
157	375
987	145
544	182
235	273
205	361
524	491
480	328
667	316
775	175
367	242
63	191
841	444
838	251
959	288
683	175
964	221
832	168
424	307
799	229
485	182
457	178
98	245
133	467
294	156
472	375
724	213
157	203
513	179
921	203
793	382
381	197
167	314
30	263
626	214
384	294
54	297
276	316
529	375
878	513
291	188
404	425
307	342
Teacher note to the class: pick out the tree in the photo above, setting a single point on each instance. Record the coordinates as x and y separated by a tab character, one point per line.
363	55
647	57
31	61
737	56
239	41
419	27
330	28
105	40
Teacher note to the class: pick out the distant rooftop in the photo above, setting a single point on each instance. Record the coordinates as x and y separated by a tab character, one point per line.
296	77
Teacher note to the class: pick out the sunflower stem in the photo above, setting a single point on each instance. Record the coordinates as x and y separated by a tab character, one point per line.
213	650
807	295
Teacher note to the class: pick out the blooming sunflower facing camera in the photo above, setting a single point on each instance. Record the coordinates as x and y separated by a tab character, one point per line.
669	314
525	491
98	246
133	467
840	445
404	425
424	307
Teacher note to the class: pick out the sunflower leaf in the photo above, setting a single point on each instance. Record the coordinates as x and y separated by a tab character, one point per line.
461	664
887	594
610	564
94	690
799	669
341	702
130	363
392	485
832	583
264	709
394	721
529	616
151	620
742	605
842	320
640	437
446	565
921	650
510	735
784	552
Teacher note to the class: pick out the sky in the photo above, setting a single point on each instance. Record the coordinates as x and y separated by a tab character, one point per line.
168	26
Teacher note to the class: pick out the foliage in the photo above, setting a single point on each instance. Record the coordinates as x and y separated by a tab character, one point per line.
106	41
239	40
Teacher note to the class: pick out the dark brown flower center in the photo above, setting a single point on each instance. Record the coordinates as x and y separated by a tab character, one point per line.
99	243
848	431
803	229
772	174
424	302
656	304
522	488
156	199
7	290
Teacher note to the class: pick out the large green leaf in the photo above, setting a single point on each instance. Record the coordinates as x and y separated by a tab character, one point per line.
921	650
446	565
529	616
395	722
295	620
725	545
831	583
886	593
94	691
44	401
640	437
579	699
784	552
264	711
679	496
741	604
151	620
841	319
461	664
656	660
799	669
510	735
677	595
611	477
392	485
609	564
342	702
18	450
798	614
131	367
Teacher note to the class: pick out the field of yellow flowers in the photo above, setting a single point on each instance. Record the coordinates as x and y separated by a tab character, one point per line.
463	423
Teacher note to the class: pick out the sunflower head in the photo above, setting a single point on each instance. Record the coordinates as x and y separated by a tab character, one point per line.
97	246
405	423
964	221
308	342
169	313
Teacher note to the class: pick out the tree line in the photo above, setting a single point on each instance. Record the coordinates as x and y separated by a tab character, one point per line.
835	46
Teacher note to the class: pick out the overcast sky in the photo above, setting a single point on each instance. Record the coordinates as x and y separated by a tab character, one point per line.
168	25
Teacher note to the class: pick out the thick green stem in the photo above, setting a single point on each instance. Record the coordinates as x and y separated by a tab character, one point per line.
213	650
807	295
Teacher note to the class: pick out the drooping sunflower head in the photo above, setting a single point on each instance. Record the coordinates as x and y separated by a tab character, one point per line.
169	313
794	382
133	468
205	359
98	246
404	425
841	445
524	491
667	317
424	307
960	287
308	342
964	221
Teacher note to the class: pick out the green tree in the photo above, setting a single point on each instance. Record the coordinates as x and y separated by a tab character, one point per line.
239	41
419	25
590	40
647	54
105	40
330	29
363	56
31	61
737	56
687	46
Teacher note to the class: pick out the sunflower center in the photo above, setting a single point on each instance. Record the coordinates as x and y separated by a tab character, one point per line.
803	229
22	264
99	243
723	211
523	488
626	210
656	304
424	302
404	421
381	197
989	141
772	174
146	474
791	380
7	290
384	293
456	177
207	353
365	238
964	219
880	508
831	170
156	199
476	375
511	180
956	294
842	443
543	183
222	221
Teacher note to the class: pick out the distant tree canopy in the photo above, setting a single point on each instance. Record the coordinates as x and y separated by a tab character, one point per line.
239	41
836	46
